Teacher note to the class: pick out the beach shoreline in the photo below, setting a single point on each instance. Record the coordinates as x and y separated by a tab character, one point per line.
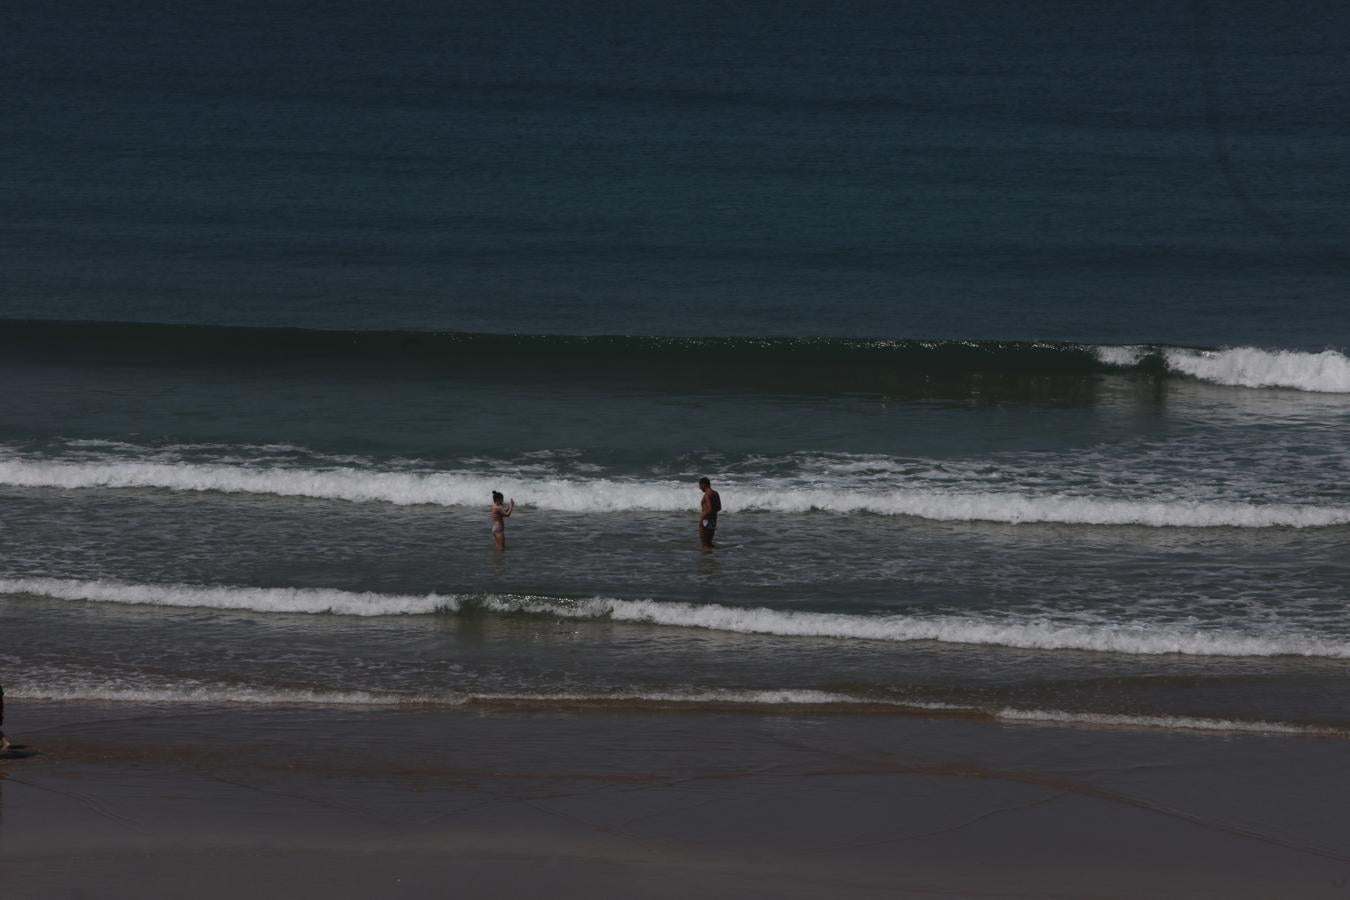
147	801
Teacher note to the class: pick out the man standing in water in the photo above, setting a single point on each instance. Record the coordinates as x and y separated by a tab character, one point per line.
708	510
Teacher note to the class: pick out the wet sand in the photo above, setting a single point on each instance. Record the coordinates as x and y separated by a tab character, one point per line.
127	801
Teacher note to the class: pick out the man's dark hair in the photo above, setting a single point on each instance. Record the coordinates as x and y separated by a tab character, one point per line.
703	482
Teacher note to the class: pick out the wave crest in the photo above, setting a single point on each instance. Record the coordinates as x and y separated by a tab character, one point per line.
1325	372
904	367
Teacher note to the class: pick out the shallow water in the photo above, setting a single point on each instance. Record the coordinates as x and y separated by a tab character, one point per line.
1014	345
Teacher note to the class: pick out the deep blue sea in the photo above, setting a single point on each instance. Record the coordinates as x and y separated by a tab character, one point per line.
1013	335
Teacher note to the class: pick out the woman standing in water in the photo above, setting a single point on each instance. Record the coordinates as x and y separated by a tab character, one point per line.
499	516
4	741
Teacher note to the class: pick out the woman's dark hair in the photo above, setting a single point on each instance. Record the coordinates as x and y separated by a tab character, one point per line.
497	497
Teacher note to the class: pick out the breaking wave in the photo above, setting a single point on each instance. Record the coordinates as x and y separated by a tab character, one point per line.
1027	369
1250	367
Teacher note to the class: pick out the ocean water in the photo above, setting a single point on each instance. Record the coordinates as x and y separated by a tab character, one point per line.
1014	340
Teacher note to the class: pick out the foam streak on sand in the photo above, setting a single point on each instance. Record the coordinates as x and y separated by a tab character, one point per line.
1169	723
1141	638
712	700
68	690
601	495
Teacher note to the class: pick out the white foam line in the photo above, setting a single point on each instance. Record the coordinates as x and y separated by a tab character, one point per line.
356	485
268	600
220	695
1169	723
216	694
1134	639
1023	633
782	697
603	495
224	694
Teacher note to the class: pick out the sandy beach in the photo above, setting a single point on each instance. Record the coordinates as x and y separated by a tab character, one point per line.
127	801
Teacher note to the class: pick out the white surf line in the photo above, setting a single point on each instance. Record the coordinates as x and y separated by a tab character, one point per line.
1132	638
605	495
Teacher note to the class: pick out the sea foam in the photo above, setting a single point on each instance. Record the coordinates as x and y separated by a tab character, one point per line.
209	694
1166	723
1016	631
589	495
1324	372
1023	633
254	599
